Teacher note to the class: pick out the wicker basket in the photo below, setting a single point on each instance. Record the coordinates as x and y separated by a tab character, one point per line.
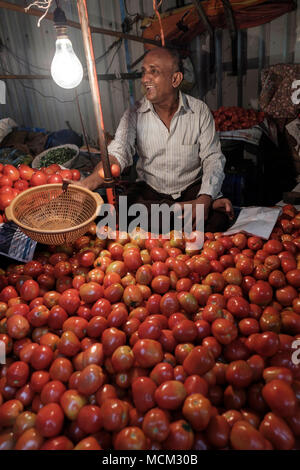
51	216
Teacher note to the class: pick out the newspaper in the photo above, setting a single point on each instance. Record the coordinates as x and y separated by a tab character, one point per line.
258	221
251	135
15	244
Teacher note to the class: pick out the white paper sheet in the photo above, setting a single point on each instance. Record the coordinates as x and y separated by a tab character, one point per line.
258	221
2	92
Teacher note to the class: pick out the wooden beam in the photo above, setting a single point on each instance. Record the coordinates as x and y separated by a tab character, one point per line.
203	17
73	24
107	76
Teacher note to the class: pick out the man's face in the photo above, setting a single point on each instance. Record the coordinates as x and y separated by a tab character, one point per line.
157	76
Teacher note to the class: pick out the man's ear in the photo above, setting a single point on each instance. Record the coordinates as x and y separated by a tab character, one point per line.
177	79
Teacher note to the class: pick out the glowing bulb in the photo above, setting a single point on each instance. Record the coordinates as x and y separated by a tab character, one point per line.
66	68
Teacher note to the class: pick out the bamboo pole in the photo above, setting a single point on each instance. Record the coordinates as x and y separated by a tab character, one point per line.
92	73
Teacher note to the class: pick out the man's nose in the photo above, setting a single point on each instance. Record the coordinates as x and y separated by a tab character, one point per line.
145	77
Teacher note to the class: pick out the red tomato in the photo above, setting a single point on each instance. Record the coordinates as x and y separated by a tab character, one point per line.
75	175
38	178
26	172
54	179
5	181
5	200
11	172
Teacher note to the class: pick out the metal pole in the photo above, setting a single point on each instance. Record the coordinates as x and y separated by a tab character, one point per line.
82	124
239	69
219	68
286	37
127	54
92	72
261	55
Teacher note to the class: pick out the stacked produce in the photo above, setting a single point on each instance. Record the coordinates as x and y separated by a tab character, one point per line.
233	118
140	344
15	180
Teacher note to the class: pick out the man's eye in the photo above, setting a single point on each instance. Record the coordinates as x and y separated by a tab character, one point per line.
152	72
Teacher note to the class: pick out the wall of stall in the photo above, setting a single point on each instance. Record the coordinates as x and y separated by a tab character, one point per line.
28	50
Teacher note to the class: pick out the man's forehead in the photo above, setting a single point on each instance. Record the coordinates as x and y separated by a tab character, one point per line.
160	60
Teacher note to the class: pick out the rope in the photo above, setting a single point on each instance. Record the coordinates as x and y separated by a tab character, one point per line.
42	5
156	7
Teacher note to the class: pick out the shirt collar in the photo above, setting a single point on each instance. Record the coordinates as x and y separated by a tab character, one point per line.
146	105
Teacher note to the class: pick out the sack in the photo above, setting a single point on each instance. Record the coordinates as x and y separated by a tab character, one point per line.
62	137
6	126
276	94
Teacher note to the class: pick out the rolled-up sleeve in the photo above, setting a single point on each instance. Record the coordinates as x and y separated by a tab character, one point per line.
211	156
123	145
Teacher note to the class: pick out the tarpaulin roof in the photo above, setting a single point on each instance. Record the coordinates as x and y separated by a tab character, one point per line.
183	24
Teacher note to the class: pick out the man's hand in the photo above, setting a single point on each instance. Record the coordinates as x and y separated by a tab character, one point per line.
203	199
223	205
94	180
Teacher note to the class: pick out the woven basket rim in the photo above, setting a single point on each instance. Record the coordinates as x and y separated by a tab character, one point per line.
54	186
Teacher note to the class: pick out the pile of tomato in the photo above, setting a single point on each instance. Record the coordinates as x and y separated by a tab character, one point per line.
15	180
138	343
234	118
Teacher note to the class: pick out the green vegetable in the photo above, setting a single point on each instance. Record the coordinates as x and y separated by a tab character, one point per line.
58	156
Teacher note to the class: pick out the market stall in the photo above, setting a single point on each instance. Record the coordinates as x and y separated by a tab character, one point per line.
115	336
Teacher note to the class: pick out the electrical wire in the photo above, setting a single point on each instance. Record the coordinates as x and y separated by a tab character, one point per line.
116	51
27	64
46	96
115	43
23	61
53	97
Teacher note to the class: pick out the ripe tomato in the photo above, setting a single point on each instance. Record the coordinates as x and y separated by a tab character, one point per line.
180	437
156	425
114	414
11	171
26	172
243	436
197	410
75	175
277	432
38	178
143	390
130	438
147	352
170	394
49	420
280	397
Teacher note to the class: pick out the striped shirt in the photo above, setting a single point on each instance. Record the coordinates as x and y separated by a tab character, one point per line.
170	160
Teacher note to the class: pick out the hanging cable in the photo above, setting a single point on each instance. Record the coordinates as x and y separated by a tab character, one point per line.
156	7
42	5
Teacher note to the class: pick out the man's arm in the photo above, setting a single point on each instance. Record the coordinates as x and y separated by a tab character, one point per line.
211	156
120	150
94	181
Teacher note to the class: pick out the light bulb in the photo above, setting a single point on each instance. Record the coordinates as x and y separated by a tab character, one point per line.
66	68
